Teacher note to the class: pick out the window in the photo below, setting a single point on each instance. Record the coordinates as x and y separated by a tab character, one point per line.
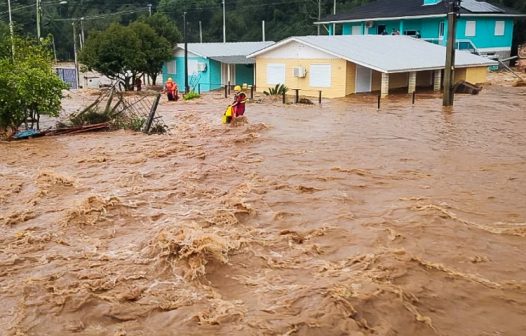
275	73
356	30
471	27
320	75
171	68
441	30
499	28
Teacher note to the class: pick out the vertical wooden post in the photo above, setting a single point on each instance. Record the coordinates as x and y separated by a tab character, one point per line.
379	99
319	97
199	88
252	92
412	82
414	97
297	95
384	90
283	97
226	92
437	80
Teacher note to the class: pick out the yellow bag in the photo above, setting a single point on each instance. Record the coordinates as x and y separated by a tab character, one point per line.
227	116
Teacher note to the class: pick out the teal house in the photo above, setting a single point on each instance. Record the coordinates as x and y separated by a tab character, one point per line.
213	65
482	28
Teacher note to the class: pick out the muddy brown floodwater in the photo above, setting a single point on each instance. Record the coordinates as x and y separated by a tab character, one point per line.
331	220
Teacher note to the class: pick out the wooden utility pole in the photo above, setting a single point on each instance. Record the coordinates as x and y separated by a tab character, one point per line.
38	19
186	87
319	15
449	71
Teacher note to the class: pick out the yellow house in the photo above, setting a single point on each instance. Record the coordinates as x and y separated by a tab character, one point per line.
348	64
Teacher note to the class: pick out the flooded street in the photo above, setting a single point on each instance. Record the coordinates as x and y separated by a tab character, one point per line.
331	220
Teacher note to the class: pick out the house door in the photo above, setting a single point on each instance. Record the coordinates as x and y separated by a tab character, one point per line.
381	30
228	74
363	79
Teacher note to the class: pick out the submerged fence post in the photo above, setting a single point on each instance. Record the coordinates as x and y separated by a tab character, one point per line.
283	97
199	88
297	95
151	116
229	88
379	98
226	94
414	97
319	97
252	92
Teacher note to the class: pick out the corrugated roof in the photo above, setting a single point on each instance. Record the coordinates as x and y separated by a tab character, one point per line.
408	8
385	53
230	52
480	7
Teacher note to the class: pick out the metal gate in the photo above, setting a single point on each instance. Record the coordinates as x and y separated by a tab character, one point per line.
69	76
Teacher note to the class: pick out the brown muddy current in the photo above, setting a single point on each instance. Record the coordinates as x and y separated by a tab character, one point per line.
331	220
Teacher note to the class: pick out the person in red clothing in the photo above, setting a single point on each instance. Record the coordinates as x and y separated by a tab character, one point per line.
240	99
171	90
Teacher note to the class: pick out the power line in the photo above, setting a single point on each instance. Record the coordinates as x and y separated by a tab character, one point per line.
276	3
102	16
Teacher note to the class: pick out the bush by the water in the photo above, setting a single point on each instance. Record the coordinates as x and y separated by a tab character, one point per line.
278	90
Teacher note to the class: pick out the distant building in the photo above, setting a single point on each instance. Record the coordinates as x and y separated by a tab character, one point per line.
343	65
482	27
213	65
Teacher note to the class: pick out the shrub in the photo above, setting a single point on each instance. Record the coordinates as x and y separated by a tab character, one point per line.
191	95
278	90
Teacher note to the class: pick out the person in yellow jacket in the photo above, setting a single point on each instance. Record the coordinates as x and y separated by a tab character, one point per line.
240	100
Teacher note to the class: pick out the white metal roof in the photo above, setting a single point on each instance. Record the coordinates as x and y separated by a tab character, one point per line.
230	52
385	53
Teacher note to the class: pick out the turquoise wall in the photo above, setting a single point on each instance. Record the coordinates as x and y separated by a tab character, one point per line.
245	74
429	29
485	32
215	75
209	79
178	77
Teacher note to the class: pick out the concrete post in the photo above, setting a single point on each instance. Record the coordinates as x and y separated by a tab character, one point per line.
385	85
412	82
437	84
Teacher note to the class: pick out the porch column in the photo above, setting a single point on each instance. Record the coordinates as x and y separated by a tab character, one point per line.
437	82
412	82
385	85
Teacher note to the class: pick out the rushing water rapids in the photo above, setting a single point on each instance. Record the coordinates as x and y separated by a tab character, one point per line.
331	220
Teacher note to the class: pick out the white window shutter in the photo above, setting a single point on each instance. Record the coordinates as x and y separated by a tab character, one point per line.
471	28
320	75
275	74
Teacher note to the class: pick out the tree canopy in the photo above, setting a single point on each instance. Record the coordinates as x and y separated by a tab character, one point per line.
243	18
28	85
124	52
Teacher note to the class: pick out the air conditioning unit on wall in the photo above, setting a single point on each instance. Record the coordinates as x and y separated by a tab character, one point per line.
300	72
201	67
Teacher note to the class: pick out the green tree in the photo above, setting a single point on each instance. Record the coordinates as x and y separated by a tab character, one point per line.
115	52
28	85
164	27
123	53
155	50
